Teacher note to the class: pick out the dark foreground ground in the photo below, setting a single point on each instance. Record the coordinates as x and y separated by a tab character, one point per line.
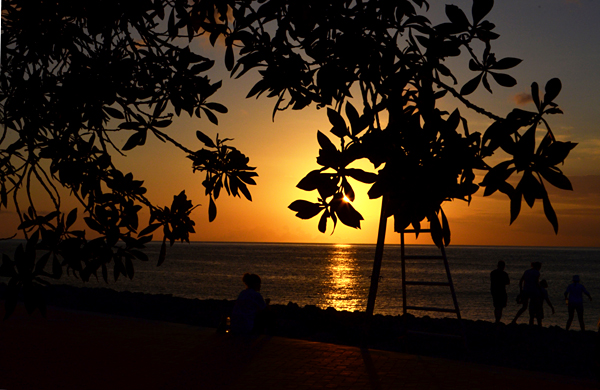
551	350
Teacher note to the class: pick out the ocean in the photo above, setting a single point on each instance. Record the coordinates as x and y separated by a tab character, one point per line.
338	276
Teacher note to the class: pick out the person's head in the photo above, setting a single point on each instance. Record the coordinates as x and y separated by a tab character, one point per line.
536	265
543	283
252	281
576	279
501	265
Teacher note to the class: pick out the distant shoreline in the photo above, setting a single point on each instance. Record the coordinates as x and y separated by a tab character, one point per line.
551	349
357	244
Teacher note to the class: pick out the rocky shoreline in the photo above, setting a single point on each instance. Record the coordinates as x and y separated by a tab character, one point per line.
552	350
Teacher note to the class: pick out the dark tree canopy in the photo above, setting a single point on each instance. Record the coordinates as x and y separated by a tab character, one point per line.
75	73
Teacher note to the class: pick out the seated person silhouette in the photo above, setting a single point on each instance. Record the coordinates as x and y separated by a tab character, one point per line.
248	306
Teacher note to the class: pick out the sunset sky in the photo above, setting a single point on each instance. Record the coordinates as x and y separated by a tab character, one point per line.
555	38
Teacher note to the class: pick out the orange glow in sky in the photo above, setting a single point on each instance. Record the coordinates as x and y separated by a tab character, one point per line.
558	39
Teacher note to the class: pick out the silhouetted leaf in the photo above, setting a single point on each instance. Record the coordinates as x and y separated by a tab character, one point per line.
504	79
471	85
163	253
360	175
525	148
217	107
212	210
245	191
258	88
71	218
211	117
114	112
345	212
457	17
556	152
474	66
93	224
496	177
171	25
553	88
323	222
162	124
546	141
515	205
229	58
305	209
553	110
139	255
506	63
311	181
531	188
480	9
339	125
3	195
41	263
348	191
535	94
136	139
485	82
129	125
202	67
328	186
436	229
353	117
205	139
550	214
556	178
325	143
149	229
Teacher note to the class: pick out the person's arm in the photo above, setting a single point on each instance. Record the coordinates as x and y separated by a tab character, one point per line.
567	295
521	283
586	293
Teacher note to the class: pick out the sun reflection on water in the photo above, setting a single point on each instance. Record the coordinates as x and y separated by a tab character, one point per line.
343	271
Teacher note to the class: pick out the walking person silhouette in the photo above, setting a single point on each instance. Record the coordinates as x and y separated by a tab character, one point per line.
529	286
536	306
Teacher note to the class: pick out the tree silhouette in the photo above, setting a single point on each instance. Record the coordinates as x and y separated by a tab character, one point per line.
394	59
75	73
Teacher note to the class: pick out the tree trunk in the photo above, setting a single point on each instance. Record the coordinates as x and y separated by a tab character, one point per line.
377	261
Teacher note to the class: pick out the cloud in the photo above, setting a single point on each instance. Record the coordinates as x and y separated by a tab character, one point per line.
522	98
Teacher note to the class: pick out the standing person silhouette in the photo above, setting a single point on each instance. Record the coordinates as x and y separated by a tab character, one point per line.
247	306
529	286
498	282
574	300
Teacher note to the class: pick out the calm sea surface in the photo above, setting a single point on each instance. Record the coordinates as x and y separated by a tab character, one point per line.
338	275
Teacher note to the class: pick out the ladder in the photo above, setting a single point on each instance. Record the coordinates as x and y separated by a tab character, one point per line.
406	307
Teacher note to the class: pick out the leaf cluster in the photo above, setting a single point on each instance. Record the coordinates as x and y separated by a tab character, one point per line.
324	52
76	74
225	166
